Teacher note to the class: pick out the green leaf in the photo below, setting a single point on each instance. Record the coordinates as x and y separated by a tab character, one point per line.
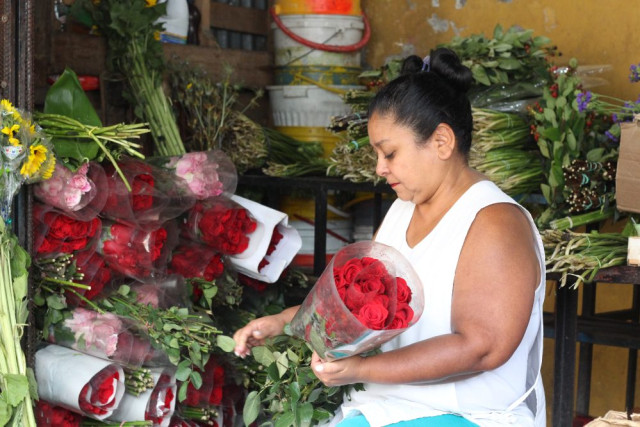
251	408
225	343
167	327
287	419
17	388
313	396
5	410
66	97
196	379
480	75
595	155
509	64
282	363
572	143
292	356
33	385
263	355
182	391
544	148
294	392
305	414
498	33
184	370
546	192
56	302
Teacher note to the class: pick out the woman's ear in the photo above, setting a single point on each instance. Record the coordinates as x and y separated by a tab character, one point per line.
445	141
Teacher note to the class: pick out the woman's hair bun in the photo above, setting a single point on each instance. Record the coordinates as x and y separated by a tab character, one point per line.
446	64
411	64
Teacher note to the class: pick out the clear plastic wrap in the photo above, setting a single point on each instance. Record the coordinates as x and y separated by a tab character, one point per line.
56	233
156	195
139	253
207	173
222	224
106	336
368	294
80	194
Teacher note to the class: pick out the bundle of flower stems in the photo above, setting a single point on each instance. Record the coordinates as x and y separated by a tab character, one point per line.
502	149
354	160
582	255
212	118
291	157
112	140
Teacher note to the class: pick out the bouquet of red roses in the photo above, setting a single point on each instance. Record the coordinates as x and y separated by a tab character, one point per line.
194	260
155	195
368	294
272	246
80	194
156	404
207	173
79	382
136	252
95	274
56	232
220	223
106	336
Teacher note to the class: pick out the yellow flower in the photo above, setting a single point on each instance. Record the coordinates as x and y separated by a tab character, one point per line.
6	105
189	86
10	132
156	35
48	167
37	156
151	3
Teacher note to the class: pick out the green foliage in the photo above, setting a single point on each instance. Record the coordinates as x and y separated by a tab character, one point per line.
284	388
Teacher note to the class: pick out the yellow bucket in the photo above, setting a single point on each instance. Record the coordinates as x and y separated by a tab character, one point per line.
319	7
304	208
327	138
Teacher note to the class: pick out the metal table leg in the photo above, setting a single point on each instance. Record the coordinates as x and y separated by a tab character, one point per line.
565	355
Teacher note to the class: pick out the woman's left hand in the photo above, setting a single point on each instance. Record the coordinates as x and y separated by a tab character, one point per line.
337	372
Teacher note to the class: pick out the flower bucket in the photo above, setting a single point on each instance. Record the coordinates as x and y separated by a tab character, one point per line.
330	7
368	294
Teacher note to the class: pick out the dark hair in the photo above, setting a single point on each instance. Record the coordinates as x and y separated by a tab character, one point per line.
425	95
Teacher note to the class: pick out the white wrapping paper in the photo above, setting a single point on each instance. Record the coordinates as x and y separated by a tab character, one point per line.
134	408
61	374
268	219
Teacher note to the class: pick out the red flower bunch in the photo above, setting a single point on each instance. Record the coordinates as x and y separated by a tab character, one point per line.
142	187
59	233
252	283
275	239
211	391
55	416
368	294
98	396
374	297
162	400
134	252
96	274
221	224
193	260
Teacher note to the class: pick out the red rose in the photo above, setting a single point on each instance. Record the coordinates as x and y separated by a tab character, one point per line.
256	284
370	284
61	232
142	192
403	290
403	316
373	316
351	269
98	395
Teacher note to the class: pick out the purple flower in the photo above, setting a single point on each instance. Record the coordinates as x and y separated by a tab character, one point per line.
634	75
611	136
583	101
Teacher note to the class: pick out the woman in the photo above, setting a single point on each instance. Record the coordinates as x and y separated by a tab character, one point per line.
474	356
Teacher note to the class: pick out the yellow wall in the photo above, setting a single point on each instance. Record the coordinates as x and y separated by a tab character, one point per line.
592	31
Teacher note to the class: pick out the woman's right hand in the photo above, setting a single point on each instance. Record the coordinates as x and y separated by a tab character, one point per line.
255	332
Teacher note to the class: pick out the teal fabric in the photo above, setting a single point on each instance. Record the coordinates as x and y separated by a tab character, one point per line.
448	420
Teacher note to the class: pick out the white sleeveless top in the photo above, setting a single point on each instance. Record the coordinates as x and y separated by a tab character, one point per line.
511	394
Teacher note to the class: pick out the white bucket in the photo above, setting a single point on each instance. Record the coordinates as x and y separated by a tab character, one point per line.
336	30
306	105
341	227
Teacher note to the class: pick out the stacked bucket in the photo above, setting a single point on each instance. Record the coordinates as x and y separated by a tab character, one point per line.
317	47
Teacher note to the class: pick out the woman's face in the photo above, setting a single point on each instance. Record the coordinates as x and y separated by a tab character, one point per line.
411	169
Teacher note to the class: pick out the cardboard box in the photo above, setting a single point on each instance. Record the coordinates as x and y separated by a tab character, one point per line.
628	173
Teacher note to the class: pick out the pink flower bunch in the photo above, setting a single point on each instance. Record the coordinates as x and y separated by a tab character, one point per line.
93	330
200	174
67	187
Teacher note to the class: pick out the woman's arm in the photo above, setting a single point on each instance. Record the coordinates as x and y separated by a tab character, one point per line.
255	332
493	296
